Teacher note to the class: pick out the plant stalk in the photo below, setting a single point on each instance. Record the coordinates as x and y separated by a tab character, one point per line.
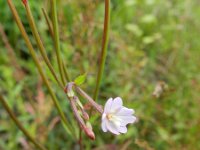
103	48
40	44
66	74
90	100
19	125
56	40
40	69
48	22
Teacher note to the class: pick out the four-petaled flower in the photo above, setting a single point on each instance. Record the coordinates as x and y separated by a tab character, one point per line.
115	116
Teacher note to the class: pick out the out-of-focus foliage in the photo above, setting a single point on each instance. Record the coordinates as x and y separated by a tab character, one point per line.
150	41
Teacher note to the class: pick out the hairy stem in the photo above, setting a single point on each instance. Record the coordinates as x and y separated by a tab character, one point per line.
19	125
90	100
103	48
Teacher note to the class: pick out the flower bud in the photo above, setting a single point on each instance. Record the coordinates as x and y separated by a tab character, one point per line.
88	131
85	114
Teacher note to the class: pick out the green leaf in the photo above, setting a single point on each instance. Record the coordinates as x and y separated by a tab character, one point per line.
80	79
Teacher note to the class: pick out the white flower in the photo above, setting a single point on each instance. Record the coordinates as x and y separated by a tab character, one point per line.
115	116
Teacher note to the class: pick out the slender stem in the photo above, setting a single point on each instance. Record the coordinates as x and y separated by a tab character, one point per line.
40	44
103	49
80	139
40	69
56	39
19	125
48	22
66	74
91	101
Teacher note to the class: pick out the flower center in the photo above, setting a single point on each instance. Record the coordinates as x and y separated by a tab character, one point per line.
114	119
109	116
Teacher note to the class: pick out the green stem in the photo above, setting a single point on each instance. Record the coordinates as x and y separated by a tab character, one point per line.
19	125
40	44
52	35
48	22
40	69
103	49
65	72
56	39
80	139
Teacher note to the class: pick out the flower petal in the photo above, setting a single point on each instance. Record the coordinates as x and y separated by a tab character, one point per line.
117	103
112	127
103	116
103	126
125	112
108	105
123	129
127	119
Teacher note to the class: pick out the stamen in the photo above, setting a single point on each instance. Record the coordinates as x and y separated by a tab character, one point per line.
109	116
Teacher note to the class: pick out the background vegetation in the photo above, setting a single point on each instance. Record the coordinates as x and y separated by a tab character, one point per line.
150	41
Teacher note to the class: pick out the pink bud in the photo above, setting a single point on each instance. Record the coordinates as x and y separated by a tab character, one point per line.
85	115
89	133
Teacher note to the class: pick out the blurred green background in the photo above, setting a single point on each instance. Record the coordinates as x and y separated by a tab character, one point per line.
153	44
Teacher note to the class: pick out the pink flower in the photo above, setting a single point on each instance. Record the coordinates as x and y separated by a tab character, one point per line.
115	116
